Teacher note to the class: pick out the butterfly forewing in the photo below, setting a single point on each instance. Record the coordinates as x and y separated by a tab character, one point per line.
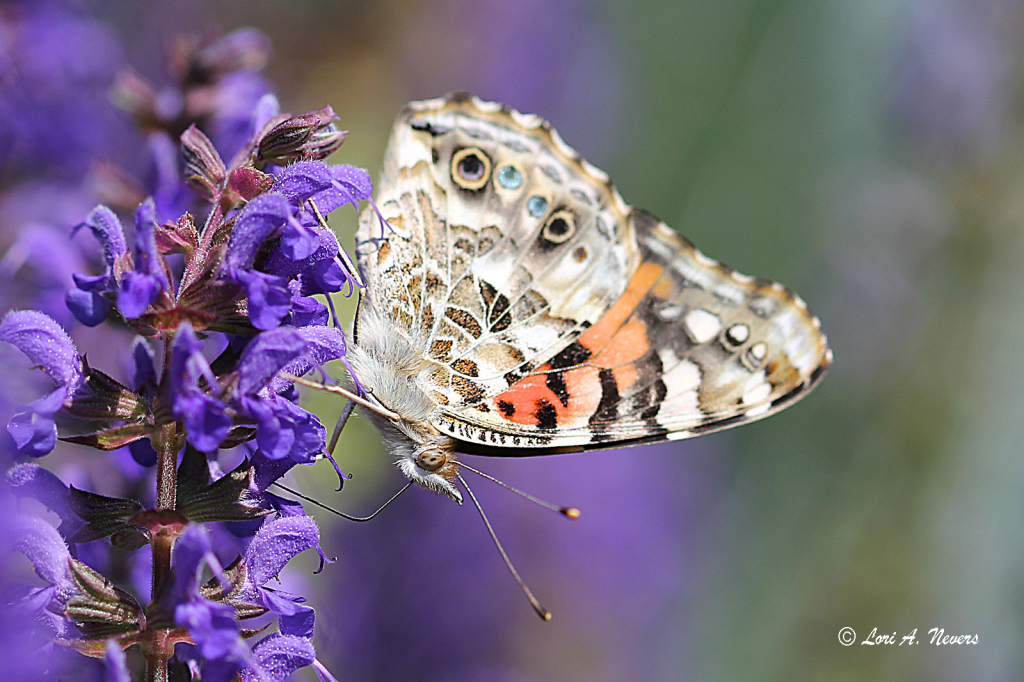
549	313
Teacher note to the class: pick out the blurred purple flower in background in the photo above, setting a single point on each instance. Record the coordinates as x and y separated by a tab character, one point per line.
55	117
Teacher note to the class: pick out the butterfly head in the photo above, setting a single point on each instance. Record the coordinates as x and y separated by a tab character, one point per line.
424	455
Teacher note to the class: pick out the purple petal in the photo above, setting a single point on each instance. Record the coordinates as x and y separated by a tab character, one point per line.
143	363
45	549
213	628
260	219
89	307
286	430
108	232
293	618
280	264
32	426
266	355
138	291
206	420
192	550
277	657
45	343
32	480
146	253
275	545
323	344
142	452
303	180
328	276
297	241
268	299
354	180
266	109
307	311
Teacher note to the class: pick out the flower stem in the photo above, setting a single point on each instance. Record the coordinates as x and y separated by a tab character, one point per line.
166	467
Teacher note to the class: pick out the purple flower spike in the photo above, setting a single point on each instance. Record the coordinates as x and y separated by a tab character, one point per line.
278	656
46	344
142	286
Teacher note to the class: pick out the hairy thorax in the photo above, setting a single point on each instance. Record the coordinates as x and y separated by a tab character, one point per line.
388	365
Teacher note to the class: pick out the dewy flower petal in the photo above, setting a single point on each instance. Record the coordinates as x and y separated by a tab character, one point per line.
278	656
264	357
45	549
276	543
47	345
105	226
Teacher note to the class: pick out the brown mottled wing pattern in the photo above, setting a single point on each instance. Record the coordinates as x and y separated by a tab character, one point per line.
553	314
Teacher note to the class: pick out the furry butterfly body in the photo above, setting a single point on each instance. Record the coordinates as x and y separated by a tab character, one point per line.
519	306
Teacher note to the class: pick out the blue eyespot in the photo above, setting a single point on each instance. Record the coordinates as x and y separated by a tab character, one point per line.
537	206
509	177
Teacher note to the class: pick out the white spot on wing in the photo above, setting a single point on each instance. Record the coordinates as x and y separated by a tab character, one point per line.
701	325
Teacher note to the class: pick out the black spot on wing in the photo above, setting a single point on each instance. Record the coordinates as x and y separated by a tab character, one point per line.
572	356
507	408
556	382
609	397
547	417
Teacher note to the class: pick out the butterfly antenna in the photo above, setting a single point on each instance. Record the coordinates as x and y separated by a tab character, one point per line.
541	611
343	515
568	512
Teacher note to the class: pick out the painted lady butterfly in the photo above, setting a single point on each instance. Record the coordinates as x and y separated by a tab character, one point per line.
520	307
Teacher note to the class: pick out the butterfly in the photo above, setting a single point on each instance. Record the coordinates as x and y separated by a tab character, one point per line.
515	305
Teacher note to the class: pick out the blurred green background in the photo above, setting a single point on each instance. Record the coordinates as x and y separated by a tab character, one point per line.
867	154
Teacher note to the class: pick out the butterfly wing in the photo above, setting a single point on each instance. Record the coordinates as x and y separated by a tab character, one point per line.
551	314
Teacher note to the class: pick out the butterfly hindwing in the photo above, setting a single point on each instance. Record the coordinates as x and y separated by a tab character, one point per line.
549	313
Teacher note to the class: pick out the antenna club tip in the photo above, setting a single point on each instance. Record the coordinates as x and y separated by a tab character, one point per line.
544	614
570	512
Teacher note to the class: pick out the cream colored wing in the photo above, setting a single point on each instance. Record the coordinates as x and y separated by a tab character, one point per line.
551	313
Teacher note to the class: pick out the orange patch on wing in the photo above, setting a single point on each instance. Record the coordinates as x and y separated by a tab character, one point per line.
595	338
526	399
629	344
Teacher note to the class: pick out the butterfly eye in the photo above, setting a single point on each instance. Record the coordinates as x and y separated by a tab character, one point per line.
431	460
470	168
559	227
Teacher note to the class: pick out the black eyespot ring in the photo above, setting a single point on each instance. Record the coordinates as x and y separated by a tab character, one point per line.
471	168
559	227
431	460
